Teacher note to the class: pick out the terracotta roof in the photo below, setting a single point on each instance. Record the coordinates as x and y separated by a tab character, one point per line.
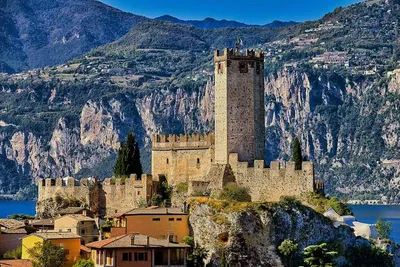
14	231
15	263
156	211
56	235
46	222
71	210
125	241
118	214
85	249
11	223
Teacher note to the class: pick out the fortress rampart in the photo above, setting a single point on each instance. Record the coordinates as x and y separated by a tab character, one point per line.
182	158
231	54
183	141
269	184
101	197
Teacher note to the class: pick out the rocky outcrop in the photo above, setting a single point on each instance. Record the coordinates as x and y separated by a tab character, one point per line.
248	234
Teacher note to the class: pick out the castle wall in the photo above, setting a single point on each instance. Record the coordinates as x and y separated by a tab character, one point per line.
239	106
182	158
269	184
101	198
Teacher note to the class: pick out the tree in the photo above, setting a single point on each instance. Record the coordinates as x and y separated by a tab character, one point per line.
196	255
318	256
47	254
296	156
84	263
383	228
13	254
128	160
288	250
368	255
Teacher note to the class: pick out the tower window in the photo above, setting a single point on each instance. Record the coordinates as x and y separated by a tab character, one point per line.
167	161
198	161
220	68
243	68
258	68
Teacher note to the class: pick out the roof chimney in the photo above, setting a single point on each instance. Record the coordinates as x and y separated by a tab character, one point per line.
84	212
132	240
148	240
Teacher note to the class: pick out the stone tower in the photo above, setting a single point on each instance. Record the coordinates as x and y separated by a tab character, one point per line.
239	106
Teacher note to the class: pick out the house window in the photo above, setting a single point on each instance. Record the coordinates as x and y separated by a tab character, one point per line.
66	252
156	219
109	258
82	232
171	219
126	256
140	256
179	219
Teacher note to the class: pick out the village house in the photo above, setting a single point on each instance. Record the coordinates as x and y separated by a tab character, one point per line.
78	224
12	232
153	221
138	250
77	210
69	241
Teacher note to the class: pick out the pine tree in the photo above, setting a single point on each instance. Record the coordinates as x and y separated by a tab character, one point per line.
128	160
296	156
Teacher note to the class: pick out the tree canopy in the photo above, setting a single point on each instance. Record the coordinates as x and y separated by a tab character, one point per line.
296	156
383	228
128	160
47	254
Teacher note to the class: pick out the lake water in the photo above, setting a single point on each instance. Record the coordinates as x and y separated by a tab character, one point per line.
16	207
371	213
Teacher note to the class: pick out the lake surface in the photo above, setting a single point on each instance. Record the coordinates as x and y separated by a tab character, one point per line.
8	207
371	213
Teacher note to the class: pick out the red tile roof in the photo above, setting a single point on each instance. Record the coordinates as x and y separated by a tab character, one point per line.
15	263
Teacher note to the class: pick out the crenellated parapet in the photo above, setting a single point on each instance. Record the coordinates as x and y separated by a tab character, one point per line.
182	141
227	54
269	184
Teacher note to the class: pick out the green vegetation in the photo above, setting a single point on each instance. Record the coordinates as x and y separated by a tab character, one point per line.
13	254
319	256
164	192
196	255
369	256
128	160
288	250
296	154
47	254
234	192
383	228
84	263
21	217
322	204
182	188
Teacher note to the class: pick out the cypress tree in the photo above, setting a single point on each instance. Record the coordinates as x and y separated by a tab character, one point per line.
128	160
296	156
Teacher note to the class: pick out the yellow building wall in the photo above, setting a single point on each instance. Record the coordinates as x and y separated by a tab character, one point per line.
87	230
72	245
145	225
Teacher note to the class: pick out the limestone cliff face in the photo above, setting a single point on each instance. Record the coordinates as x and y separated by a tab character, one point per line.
86	144
250	236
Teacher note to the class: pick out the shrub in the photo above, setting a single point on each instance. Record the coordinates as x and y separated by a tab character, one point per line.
368	256
318	256
288	251
182	188
234	192
84	263
13	254
383	228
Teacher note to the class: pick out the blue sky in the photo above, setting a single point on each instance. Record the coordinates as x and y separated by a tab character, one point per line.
258	12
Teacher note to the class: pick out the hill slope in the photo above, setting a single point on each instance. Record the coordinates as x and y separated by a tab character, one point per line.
37	33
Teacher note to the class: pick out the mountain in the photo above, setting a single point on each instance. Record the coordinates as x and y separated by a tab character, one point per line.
38	33
210	23
67	120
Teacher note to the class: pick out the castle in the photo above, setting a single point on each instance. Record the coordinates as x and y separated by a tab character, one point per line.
234	153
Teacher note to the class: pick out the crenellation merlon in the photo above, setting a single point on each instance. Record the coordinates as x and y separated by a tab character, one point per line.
231	54
183	141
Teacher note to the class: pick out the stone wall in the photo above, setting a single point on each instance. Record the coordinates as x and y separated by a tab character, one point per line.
269	184
182	158
239	105
102	198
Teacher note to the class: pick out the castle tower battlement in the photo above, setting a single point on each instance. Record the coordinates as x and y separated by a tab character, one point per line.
239	105
183	141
